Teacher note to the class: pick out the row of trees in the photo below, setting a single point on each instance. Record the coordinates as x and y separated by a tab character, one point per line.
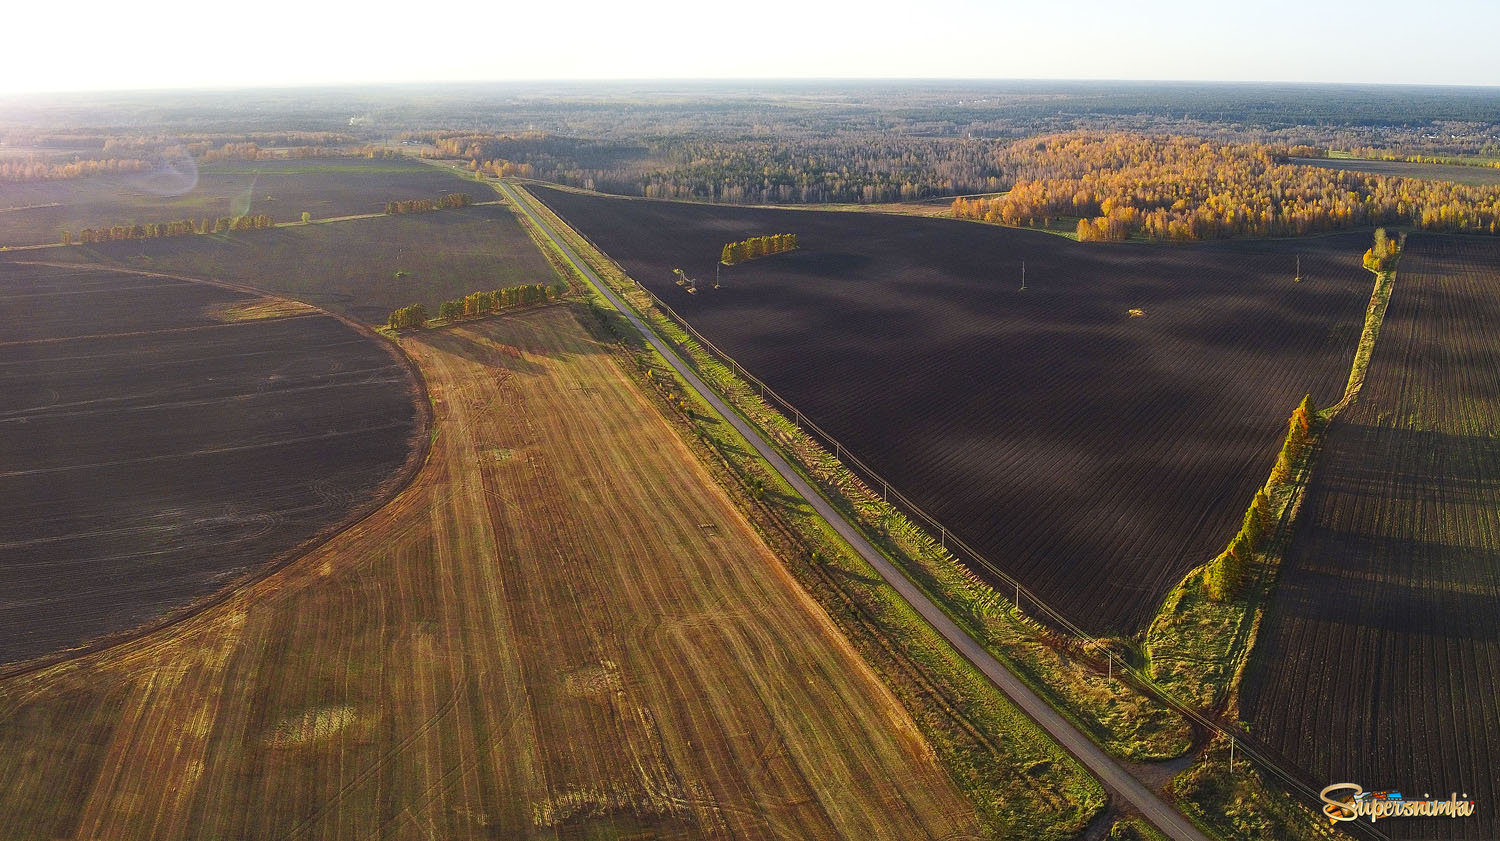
143	153
1381	257
1181	188
1226	576
37	169
475	304
1371	153
181	227
395	208
749	249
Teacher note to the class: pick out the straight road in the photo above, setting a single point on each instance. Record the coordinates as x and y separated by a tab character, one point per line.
1166	819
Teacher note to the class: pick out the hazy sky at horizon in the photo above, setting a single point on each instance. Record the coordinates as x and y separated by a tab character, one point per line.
96	45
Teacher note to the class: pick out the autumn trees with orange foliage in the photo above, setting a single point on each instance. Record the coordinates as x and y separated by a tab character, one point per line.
754	247
37	169
501	168
1178	188
1381	257
449	200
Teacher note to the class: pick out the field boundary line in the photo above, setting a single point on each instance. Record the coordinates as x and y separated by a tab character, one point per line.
416	459
1113	774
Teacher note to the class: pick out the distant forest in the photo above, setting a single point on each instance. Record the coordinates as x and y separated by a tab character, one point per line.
794	143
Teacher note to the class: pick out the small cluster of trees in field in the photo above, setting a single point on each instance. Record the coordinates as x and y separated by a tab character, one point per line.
749	249
1381	257
1180	188
412	316
475	304
394	208
501	168
1225	578
181	227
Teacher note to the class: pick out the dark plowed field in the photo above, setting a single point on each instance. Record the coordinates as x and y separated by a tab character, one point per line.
1095	455
150	453
38	212
1380	656
360	268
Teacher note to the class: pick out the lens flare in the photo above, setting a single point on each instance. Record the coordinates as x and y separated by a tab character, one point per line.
175	173
240	205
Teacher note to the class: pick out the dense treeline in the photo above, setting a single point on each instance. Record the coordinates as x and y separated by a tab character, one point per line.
865	169
181	227
1224	580
501	168
854	168
475	304
449	200
33	168
1184	189
145	153
814	142
750	249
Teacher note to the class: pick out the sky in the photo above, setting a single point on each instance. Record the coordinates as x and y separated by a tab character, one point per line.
95	45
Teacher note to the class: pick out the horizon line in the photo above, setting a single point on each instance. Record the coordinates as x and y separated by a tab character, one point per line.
722	80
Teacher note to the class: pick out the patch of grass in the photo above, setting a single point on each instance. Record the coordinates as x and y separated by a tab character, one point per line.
1134	829
262	309
1243	805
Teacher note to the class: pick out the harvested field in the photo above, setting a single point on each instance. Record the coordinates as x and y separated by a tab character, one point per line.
1378	659
563	628
1095	455
323	187
352	267
153	452
1473	176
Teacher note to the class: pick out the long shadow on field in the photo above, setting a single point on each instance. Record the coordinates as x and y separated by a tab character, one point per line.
1095	453
460	341
1377	658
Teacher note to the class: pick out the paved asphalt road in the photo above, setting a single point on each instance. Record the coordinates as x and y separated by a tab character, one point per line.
1167	819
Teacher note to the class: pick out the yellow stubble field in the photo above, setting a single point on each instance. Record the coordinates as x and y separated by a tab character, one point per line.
563	628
